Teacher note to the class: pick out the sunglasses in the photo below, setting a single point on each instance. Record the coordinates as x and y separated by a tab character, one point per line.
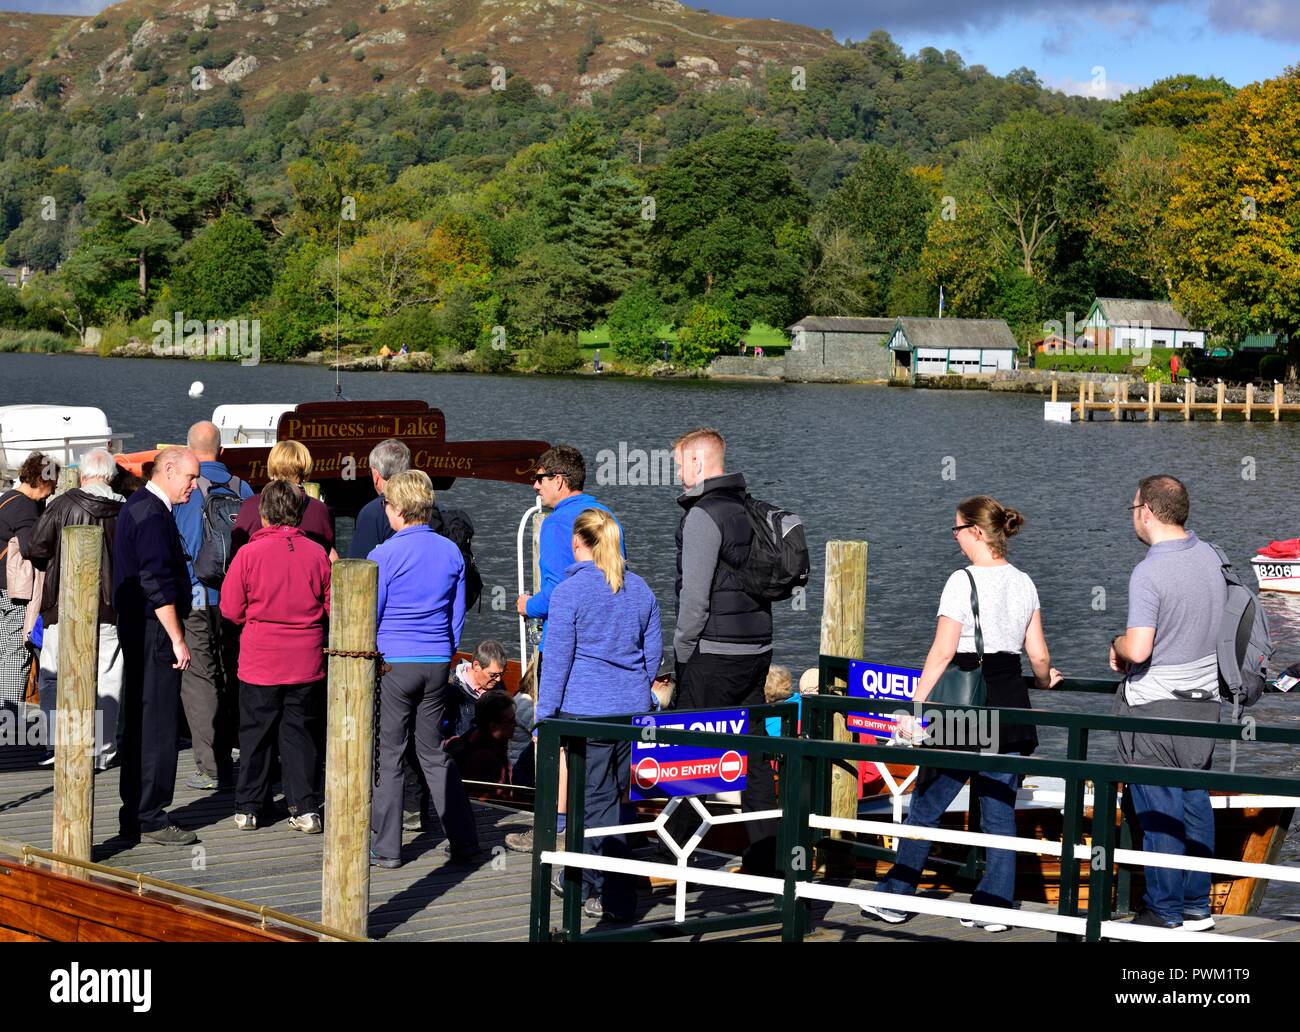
539	477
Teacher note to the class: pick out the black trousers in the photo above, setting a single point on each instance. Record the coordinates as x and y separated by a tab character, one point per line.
151	694
283	714
709	681
412	701
608	774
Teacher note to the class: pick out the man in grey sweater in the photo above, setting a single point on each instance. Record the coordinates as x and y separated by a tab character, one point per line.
723	639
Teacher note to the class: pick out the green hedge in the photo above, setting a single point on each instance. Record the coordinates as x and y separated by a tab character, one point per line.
1084	363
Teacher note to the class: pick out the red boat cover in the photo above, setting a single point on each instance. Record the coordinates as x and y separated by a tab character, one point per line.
1289	549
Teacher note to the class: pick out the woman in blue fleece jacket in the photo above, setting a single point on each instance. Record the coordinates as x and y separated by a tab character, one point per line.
421	614
603	648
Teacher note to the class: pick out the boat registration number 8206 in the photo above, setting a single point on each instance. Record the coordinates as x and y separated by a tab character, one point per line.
1272	571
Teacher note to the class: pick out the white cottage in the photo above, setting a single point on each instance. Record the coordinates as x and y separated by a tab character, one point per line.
1122	325
948	347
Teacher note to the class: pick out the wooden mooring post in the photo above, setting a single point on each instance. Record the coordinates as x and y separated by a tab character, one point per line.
1189	397
74	735
1277	402
1083	401
1220	392
843	633
1250	400
1053	388
349	750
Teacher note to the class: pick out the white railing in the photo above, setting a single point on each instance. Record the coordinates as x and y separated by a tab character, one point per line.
683	874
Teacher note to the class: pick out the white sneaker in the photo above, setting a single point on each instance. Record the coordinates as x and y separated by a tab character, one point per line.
988	926
1198	922
307	823
47	761
246	821
885	914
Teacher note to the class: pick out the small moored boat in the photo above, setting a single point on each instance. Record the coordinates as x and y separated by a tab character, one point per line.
1277	566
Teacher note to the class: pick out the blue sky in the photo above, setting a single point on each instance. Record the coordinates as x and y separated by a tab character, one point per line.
1133	43
1066	41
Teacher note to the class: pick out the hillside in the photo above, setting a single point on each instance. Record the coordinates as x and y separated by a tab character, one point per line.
273	46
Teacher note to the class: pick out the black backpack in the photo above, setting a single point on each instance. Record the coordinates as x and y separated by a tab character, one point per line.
778	555
221	503
457	527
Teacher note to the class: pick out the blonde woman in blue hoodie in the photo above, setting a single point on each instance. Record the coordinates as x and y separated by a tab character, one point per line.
603	648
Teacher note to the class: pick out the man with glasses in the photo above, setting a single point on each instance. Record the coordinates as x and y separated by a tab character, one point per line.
1169	658
558	481
471	678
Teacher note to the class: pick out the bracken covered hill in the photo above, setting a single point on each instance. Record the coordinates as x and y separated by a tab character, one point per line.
269	46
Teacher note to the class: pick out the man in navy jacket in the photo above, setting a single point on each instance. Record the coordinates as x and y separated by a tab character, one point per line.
387	459
151	593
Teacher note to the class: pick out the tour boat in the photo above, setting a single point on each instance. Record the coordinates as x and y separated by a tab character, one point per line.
1277	566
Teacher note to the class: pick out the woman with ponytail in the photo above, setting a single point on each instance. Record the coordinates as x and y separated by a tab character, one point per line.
1009	622
603	645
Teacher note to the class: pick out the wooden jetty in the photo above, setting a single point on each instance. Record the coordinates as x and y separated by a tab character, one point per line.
427	899
1150	408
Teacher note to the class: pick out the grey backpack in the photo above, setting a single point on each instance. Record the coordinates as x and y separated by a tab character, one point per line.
1245	642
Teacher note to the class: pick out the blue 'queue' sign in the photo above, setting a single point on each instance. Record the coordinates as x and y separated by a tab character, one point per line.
878	681
660	769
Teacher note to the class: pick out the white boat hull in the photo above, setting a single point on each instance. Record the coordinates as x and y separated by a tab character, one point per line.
1277	574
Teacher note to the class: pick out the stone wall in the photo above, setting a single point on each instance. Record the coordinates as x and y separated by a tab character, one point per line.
839	358
746	367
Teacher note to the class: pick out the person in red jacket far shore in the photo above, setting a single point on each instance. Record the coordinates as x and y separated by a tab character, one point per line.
278	588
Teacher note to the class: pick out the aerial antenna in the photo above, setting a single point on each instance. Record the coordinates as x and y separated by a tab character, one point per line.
338	262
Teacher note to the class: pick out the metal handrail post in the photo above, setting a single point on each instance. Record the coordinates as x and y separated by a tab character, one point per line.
574	838
547	805
1103	856
1071	828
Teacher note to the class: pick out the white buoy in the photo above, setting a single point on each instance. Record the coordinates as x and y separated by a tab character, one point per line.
196	389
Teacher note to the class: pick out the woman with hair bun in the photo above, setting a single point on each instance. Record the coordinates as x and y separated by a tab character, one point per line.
603	646
1010	622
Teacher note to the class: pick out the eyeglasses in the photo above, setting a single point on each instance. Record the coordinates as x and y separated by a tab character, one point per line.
495	678
1138	506
960	527
539	477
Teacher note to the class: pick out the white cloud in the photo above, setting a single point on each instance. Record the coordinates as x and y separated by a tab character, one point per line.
1103	88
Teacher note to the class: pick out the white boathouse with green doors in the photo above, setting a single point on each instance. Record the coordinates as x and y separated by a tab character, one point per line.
950	347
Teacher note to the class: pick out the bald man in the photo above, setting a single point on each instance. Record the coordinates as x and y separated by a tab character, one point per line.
209	686
723	640
151	593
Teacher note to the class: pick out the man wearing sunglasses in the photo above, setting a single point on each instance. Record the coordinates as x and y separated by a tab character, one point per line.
558	481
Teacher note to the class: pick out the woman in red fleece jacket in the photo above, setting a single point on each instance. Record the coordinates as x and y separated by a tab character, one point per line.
278	588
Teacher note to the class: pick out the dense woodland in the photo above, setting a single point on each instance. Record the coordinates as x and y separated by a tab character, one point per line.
463	220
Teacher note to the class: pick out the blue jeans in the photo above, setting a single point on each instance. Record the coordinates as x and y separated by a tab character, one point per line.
1177	821
997	796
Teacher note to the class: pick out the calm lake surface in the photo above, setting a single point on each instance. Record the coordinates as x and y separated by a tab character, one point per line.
882	464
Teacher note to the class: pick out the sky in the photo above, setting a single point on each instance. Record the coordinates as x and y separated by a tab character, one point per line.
1100	48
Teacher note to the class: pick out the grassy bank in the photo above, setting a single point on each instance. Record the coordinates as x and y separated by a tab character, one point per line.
38	341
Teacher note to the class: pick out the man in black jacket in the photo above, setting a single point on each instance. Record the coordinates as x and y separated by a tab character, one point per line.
93	504
151	592
723	640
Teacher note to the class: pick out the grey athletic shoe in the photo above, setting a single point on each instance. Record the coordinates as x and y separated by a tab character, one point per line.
170	836
520	841
885	914
203	782
246	821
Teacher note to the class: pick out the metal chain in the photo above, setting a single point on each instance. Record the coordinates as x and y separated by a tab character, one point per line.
381	668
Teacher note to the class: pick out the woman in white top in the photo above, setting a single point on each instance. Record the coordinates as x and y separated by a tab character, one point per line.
1011	623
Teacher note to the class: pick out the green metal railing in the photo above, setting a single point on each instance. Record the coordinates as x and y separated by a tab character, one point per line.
805	765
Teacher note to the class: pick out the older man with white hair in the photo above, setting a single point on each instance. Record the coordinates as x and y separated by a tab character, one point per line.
387	459
93	504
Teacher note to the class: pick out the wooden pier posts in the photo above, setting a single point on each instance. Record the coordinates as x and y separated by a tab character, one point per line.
1189	396
1250	400
1083	401
1277	402
1220	392
349	750
843	633
1115	411
76	743
1053	388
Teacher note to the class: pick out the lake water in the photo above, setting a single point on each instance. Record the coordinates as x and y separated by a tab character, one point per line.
880	464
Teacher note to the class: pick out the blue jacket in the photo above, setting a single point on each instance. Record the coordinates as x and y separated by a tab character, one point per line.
604	648
372	529
189	521
555	553
421	596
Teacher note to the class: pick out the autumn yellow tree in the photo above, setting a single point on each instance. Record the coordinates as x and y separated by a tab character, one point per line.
1235	215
